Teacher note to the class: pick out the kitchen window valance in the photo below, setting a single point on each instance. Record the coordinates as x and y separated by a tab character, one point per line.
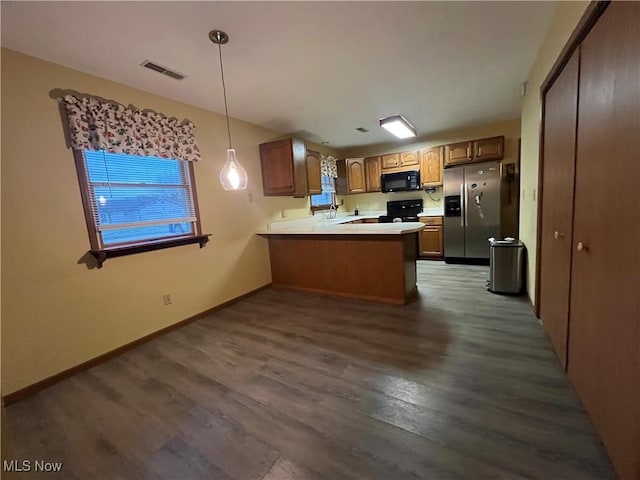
95	124
328	166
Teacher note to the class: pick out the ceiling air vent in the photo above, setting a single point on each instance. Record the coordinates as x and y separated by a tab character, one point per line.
362	129
164	70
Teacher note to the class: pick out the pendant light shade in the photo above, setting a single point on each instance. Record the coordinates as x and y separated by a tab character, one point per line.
233	176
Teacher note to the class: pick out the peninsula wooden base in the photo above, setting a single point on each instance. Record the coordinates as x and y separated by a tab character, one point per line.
371	267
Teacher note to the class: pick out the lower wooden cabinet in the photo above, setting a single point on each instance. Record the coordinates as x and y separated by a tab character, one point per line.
431	243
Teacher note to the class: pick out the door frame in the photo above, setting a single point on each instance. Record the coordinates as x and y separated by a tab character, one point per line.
591	15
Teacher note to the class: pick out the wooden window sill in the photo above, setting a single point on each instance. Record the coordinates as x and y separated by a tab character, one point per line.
102	255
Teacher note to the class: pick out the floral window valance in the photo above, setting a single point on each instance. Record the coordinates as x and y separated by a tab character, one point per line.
100	125
328	166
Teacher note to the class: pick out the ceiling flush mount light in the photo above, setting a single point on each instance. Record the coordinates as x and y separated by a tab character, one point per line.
232	176
399	126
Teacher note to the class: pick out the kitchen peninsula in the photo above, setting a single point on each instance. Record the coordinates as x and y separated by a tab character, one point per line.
370	261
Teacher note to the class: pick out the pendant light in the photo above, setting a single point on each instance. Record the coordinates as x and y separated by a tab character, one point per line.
232	176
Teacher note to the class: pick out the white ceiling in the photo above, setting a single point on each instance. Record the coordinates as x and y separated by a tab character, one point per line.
321	69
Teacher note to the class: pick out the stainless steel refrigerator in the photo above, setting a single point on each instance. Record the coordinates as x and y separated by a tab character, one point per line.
472	201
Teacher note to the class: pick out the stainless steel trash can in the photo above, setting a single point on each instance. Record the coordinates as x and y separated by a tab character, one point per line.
506	260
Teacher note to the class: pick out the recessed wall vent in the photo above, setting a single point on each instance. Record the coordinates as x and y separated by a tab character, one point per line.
164	70
362	129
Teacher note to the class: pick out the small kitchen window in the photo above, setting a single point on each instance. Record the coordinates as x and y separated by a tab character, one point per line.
328	195
329	172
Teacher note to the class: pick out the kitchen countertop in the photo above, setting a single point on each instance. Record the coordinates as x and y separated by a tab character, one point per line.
318	225
326	228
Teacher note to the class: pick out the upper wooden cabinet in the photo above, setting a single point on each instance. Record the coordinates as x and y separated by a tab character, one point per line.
373	170
474	151
456	153
284	168
409	158
431	164
356	176
342	188
391	160
488	149
400	160
314	175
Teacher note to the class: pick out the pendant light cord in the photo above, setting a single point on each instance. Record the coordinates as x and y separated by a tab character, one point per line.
224	93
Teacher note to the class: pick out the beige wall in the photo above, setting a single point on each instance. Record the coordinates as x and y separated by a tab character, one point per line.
377	201
565	20
55	312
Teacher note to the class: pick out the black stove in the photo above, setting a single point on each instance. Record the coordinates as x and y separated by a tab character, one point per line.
404	210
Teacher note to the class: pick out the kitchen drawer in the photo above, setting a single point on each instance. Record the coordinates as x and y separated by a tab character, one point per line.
431	220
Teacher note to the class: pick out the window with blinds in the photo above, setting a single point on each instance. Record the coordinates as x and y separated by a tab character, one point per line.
132	200
326	198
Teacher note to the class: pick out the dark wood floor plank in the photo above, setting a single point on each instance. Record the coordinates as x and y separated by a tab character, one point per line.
527	448
286	385
285	469
175	399
177	460
253	338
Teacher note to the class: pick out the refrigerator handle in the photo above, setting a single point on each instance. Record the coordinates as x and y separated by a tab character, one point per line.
463	206
466	205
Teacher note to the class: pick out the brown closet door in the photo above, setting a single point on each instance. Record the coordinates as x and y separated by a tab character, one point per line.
604	324
561	109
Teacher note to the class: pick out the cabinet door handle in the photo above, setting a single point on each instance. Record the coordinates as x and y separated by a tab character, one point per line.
581	247
558	235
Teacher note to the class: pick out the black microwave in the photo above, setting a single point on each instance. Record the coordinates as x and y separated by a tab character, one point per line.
400	181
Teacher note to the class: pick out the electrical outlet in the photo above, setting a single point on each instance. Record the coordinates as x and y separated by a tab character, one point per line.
250	197
166	298
284	213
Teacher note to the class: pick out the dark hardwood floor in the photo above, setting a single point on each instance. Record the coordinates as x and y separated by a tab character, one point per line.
461	384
